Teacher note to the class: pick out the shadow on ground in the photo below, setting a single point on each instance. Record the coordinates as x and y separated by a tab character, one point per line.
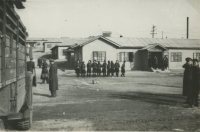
159	99
44	95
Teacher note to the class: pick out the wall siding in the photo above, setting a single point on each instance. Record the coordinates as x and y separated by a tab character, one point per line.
185	53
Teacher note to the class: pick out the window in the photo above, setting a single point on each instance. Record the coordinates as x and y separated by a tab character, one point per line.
63	53
99	56
49	46
125	56
176	57
196	56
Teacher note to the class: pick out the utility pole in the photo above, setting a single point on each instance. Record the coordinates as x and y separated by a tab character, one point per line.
153	31
187	34
162	34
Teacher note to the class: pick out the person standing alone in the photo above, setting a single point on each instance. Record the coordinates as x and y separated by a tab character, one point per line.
31	68
123	69
53	78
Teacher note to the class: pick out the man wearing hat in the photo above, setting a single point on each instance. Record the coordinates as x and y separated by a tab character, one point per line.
53	78
195	83
31	68
187	79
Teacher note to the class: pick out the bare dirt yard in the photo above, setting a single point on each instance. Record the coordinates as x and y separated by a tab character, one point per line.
140	101
144	101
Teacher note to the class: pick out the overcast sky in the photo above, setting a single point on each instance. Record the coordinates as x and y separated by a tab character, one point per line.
130	18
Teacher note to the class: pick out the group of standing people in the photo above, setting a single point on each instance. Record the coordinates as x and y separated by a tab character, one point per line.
96	68
191	81
159	63
50	76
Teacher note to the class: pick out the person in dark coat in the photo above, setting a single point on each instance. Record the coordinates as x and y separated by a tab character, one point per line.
40	62
117	66
45	72
104	68
155	59
83	69
112	68
53	78
108	69
195	83
123	69
78	68
165	62
187	80
89	67
99	69
31	68
94	66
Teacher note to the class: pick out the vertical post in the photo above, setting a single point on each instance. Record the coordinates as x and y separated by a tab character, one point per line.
162	34
187	28
3	71
17	49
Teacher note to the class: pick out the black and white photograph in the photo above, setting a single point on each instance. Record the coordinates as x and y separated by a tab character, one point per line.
99	65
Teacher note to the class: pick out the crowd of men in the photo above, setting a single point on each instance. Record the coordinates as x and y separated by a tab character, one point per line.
96	68
191	81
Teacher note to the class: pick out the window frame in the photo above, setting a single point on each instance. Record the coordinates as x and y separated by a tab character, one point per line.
195	55
125	54
176	54
99	55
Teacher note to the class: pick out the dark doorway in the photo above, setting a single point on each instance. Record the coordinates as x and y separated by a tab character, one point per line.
155	59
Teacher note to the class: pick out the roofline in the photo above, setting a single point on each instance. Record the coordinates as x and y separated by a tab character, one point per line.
95	38
130	47
51	42
187	48
60	46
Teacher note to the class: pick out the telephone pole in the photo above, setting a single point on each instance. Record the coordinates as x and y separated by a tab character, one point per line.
153	31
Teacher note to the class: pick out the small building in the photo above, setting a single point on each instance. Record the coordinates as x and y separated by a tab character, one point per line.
35	42
138	52
58	51
70	56
48	45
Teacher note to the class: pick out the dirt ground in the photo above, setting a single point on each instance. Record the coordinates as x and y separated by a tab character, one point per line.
140	101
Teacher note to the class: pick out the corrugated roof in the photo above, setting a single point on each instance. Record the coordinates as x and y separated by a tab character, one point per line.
64	41
169	43
150	46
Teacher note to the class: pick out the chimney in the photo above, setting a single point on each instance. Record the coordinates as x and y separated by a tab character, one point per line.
187	28
106	33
